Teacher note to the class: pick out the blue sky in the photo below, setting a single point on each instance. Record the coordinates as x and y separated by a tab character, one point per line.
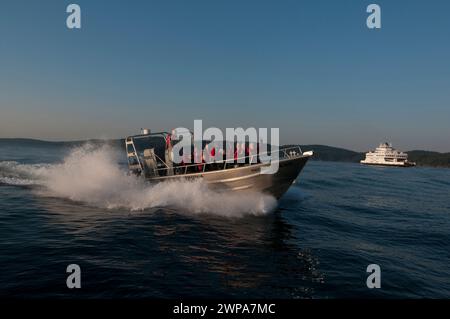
311	68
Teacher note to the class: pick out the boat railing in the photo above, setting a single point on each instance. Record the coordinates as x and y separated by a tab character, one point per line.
216	165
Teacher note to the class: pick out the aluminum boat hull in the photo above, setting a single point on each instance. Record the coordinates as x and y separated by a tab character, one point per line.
248	177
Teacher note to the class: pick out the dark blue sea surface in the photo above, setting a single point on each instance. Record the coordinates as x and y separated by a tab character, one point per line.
62	204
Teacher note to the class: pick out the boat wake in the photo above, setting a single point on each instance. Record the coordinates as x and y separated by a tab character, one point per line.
91	174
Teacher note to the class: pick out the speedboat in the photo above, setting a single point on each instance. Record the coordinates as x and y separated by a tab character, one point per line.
149	157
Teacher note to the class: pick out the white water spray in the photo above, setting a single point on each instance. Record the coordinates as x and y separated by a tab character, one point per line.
90	174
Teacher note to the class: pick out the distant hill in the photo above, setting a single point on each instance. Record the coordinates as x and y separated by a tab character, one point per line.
427	158
36	143
27	142
329	153
321	152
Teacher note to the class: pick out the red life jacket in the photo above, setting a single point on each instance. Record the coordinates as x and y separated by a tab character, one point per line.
168	141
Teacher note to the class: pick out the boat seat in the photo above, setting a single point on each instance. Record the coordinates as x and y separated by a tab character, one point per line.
150	162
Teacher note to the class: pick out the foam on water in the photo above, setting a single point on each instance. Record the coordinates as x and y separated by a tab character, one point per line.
91	174
14	173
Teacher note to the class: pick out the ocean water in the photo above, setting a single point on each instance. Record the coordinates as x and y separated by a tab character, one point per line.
71	204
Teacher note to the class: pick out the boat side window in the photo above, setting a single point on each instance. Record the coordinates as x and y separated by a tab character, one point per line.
130	148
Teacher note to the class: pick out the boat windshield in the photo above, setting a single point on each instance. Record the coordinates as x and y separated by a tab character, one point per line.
157	142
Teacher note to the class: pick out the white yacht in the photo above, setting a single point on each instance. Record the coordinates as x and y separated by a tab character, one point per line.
386	155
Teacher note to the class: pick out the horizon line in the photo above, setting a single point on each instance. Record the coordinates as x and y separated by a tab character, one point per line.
115	139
